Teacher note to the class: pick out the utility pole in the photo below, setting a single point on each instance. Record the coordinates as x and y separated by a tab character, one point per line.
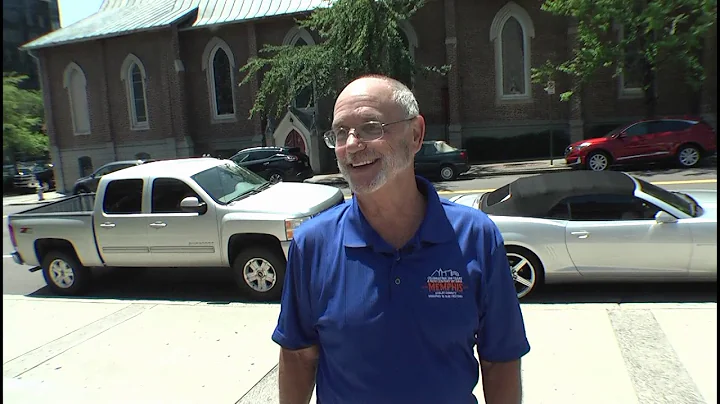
550	90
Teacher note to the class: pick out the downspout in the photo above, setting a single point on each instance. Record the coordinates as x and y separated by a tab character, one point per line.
49	119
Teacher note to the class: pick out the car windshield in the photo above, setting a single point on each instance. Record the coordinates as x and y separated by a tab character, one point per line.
228	182
677	200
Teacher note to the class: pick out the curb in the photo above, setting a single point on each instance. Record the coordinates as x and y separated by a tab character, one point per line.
31	202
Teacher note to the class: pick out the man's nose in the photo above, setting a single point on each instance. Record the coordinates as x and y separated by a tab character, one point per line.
353	142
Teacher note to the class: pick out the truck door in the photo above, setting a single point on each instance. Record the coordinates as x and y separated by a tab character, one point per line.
120	226
177	238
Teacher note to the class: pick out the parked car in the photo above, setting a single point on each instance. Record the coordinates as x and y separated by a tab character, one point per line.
275	164
686	140
438	159
584	226
89	184
199	212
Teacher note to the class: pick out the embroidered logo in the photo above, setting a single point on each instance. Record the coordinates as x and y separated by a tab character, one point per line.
445	284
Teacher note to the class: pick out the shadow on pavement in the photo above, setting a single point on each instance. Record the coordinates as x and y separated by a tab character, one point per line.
217	286
213	285
625	293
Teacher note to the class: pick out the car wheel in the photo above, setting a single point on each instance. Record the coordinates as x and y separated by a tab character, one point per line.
260	273
527	271
275	177
448	172
598	161
64	274
688	156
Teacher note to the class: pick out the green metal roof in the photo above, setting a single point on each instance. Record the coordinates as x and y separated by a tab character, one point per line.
122	17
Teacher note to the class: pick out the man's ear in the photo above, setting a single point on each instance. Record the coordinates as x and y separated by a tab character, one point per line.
418	132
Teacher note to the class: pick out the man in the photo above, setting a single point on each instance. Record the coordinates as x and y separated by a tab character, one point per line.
386	297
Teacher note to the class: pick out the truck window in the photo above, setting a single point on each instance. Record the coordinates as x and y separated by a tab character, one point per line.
167	193
123	197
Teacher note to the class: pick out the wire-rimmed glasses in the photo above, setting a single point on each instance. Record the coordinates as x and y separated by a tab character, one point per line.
366	132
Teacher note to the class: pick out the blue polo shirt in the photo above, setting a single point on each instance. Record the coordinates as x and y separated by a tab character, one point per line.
400	326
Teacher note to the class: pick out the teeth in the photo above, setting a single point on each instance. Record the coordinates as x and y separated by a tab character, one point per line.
362	163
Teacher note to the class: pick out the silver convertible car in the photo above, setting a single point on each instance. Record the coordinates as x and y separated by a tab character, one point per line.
580	226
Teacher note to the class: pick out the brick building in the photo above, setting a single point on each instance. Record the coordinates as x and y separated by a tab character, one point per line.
159	78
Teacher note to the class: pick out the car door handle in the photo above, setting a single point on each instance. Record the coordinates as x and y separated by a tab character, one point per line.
107	225
580	234
158	225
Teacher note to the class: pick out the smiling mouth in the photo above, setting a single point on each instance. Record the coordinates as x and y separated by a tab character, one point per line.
364	163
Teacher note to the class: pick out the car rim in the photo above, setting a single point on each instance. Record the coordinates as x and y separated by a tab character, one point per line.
523	273
275	178
62	274
689	156
446	173
259	274
598	162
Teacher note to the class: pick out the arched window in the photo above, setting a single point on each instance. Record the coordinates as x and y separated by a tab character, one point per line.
511	32
630	79
132	73
301	37
76	84
219	65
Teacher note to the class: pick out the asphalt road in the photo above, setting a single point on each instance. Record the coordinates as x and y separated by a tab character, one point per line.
217	285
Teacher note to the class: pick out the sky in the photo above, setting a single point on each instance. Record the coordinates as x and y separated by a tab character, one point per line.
72	11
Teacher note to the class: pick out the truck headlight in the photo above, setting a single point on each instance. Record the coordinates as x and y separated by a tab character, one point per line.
292	224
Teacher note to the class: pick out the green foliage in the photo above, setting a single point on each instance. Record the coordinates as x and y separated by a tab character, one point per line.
664	32
357	37
22	118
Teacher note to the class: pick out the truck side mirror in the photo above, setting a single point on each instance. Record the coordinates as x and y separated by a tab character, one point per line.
191	204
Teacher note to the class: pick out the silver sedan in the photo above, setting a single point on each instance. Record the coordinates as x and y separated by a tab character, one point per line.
580	226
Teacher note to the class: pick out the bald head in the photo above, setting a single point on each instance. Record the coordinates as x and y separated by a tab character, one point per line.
385	89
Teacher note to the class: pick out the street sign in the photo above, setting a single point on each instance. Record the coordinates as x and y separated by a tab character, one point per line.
550	88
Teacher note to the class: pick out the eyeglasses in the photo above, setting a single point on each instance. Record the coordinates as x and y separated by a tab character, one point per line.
366	132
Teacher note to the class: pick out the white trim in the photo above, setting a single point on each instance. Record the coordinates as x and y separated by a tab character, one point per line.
411	36
211	49
72	66
289	122
511	9
126	76
296	33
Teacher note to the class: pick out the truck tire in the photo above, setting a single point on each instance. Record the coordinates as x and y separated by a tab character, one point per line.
64	274
259	273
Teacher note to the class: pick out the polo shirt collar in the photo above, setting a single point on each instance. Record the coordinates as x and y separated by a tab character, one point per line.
434	229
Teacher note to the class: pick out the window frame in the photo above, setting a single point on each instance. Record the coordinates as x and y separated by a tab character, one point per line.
68	85
152	197
511	9
126	77
105	196
208	65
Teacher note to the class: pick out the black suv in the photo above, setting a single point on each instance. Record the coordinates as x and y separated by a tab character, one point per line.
275	163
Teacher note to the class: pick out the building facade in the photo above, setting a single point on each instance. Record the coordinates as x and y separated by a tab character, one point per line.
159	79
23	21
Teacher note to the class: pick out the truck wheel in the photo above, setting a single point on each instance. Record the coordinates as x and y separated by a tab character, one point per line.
64	274
260	273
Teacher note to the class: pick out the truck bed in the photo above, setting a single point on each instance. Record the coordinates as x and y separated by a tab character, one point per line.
77	204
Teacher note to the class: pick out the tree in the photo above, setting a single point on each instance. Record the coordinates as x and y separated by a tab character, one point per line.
655	34
22	119
357	37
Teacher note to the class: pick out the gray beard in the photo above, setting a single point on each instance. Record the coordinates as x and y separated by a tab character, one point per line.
390	168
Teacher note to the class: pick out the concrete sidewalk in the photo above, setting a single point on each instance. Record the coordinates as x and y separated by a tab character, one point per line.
110	351
476	170
29	199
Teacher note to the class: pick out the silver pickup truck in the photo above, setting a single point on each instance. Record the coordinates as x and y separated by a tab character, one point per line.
197	212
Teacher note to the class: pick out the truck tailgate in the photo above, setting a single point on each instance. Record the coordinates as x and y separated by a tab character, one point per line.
68	220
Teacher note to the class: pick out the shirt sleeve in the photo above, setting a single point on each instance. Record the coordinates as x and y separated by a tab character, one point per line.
501	334
295	328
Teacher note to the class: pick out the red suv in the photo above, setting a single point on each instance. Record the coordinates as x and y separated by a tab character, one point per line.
685	140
